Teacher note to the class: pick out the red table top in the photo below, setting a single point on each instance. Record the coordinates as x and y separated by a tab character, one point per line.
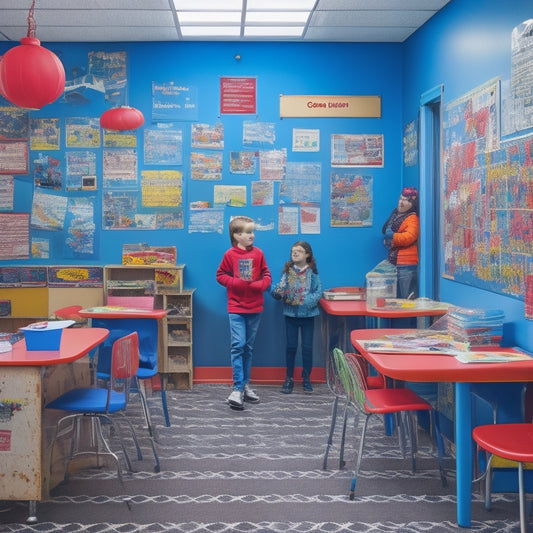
359	308
427	368
75	343
116	312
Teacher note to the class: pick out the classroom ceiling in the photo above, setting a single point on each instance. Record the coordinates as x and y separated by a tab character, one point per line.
217	20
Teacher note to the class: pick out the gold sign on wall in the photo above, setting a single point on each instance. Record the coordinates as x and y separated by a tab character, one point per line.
329	106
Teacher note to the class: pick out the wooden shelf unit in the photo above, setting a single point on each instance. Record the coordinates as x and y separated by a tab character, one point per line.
175	356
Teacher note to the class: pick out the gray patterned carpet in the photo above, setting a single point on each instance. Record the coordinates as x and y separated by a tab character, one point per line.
259	470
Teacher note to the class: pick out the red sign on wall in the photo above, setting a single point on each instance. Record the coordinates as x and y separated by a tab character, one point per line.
238	96
5	440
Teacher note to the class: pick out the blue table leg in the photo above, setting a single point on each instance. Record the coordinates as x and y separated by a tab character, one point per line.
463	444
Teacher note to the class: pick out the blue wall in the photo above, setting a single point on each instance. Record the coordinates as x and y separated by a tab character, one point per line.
344	255
462	47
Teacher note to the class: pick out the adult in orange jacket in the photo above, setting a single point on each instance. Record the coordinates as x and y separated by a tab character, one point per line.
401	233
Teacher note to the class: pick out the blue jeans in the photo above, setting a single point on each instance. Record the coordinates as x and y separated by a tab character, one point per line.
243	331
306	327
407	280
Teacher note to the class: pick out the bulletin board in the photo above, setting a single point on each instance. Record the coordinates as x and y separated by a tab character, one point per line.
488	198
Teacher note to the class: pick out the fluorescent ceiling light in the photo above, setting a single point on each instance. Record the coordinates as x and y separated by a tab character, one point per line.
273	31
277	17
211	31
279	5
210	5
207	17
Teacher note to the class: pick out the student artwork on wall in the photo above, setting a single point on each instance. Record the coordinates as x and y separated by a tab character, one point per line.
258	133
120	169
351	199
48	211
488	199
210	220
80	164
7	193
120	139
45	134
230	195
305	140
365	150
172	101
262	193
207	136
238	95
243	162
47	173
272	164
82	132
410	144
206	166
161	188
163	146
80	225
15	231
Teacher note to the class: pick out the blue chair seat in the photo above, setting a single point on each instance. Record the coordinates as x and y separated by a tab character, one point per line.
91	400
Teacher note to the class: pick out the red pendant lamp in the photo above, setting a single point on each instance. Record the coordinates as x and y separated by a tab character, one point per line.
31	76
122	118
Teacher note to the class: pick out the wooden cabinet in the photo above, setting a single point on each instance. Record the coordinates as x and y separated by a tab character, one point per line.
159	287
177	331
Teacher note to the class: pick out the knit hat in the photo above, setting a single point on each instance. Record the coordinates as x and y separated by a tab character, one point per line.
411	193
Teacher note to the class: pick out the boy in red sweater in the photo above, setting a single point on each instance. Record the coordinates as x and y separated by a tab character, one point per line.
245	274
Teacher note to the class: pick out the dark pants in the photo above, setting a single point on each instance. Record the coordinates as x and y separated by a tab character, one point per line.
306	327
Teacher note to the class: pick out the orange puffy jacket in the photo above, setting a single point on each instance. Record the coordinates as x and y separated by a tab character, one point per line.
405	241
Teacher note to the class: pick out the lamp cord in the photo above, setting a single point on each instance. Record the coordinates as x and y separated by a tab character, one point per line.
32	26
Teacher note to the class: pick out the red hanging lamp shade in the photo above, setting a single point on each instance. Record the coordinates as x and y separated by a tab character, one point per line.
31	76
122	118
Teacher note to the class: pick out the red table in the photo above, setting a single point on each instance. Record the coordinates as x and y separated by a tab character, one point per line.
31	379
435	368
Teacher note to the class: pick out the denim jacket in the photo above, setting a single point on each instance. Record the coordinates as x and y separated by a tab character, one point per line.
300	291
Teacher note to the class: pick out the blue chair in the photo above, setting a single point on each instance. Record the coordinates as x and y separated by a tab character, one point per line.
97	405
147	332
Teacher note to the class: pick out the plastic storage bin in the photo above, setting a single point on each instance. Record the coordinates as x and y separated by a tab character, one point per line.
379	285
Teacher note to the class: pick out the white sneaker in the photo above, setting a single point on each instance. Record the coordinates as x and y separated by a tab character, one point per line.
250	395
236	399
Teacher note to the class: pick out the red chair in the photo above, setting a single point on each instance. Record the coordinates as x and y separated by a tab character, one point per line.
375	401
509	441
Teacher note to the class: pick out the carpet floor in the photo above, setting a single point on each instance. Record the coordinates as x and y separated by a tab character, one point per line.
260	470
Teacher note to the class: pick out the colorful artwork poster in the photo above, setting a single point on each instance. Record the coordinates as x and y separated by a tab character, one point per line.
305	140
410	144
45	134
258	133
272	164
288	220
15	231
206	166
120	139
118	209
80	164
174	101
471	126
14	157
238	95
161	188
169	219
243	162
82	132
163	147
47	173
40	248
80	227
262	193
365	150
230	195
206	220
120	169
111	69
15	124
23	276
207	136
7	193
351	200
48	211
302	184
75	276
488	216
310	219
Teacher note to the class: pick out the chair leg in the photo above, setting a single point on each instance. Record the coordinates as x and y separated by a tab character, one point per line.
144	403
522	496
164	401
434	421
359	456
342	462
331	431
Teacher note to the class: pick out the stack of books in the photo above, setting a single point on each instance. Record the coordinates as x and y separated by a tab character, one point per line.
478	327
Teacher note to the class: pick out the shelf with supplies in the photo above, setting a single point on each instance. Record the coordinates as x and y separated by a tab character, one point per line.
159	286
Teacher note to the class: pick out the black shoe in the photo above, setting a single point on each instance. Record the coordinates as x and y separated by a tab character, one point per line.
307	386
287	386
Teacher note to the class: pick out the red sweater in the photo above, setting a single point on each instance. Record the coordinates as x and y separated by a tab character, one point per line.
246	277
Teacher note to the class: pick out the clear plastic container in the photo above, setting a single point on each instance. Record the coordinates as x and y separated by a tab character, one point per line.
379	285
